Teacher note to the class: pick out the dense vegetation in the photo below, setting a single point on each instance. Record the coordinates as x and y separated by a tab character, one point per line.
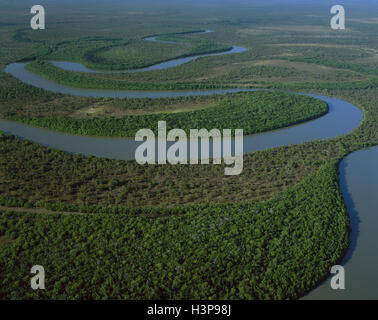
356	66
122	54
35	176
108	81
253	112
271	250
147	244
81	80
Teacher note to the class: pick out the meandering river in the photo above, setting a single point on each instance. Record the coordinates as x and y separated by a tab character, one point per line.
358	171
73	66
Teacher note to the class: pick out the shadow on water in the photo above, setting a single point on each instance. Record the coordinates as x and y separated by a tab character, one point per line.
320	291
358	180
351	208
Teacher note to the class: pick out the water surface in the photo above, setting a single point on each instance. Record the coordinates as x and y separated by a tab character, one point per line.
18	71
358	171
359	185
342	118
78	67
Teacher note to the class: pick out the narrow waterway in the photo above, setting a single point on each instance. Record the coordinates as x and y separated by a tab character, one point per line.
78	67
358	171
359	185
342	118
74	66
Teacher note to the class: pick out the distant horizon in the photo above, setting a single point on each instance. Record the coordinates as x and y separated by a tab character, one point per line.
185	3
